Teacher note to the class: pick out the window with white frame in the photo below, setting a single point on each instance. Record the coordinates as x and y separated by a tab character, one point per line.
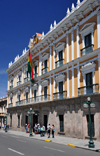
88	77
45	63
60	54
45	89
87	38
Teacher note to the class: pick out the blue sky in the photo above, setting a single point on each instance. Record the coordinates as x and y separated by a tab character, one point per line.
19	21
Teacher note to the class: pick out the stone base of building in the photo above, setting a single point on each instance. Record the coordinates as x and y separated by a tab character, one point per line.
68	115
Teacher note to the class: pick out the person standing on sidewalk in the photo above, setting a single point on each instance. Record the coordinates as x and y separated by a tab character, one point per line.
49	130
53	130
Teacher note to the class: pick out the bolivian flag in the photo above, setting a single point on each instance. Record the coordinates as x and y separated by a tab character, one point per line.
30	68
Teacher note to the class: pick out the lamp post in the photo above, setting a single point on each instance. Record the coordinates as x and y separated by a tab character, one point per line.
6	123
89	104
30	112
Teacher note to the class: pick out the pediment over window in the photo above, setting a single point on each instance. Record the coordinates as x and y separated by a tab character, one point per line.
26	90
88	67
87	27
35	86
45	82
59	45
60	77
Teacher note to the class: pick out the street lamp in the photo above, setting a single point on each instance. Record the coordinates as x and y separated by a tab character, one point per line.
6	123
30	112
89	104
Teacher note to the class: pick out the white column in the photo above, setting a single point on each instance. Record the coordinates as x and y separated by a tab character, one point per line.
50	88
72	43
53	56
78	75
77	41
99	70
53	85
72	81
67	47
30	91
39	65
67	83
50	58
98	28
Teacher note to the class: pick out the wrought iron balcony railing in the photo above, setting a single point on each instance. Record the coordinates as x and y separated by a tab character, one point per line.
44	70
26	79
10	105
60	95
87	50
86	90
34	100
11	87
59	63
18	83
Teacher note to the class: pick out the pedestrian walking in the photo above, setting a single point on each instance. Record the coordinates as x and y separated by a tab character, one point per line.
53	130
26	126
49	130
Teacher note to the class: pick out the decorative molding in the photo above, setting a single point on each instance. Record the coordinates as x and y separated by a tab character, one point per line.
35	86
87	67
89	27
26	90
60	78
45	83
19	92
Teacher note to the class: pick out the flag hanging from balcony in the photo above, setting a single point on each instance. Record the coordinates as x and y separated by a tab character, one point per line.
30	68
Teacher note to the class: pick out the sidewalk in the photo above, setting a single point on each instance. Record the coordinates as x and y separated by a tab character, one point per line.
79	143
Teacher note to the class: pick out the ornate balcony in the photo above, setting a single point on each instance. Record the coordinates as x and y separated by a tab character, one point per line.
18	83
59	63
44	70
26	79
87	50
60	95
87	90
36	99
10	105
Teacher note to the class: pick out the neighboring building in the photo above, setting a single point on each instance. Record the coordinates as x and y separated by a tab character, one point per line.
67	71
3	111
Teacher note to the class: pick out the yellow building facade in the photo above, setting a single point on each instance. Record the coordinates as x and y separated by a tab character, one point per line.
66	64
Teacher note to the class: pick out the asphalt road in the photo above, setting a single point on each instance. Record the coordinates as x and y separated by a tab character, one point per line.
11	145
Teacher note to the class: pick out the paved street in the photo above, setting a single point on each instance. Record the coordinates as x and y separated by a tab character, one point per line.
19	145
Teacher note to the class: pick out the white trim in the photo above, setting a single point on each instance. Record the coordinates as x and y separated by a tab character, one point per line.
53	56
67	83
60	78
77	41
72	81
72	43
67	47
30	91
99	70
50	58
39	65
78	75
53	84
98	28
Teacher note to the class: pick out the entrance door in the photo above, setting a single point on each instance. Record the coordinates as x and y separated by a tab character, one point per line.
61	90
26	119
92	125
89	86
35	120
45	121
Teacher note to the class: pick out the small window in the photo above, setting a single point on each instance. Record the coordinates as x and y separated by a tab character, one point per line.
18	97
19	78
45	64
10	99
18	120
35	69
11	82
26	97
61	122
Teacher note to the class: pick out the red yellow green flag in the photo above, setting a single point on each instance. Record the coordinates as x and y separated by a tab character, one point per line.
30	68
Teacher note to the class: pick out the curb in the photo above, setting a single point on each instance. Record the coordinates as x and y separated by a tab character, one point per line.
71	145
48	140
94	150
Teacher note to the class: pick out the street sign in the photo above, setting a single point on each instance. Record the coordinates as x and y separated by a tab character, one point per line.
85	105
92	105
